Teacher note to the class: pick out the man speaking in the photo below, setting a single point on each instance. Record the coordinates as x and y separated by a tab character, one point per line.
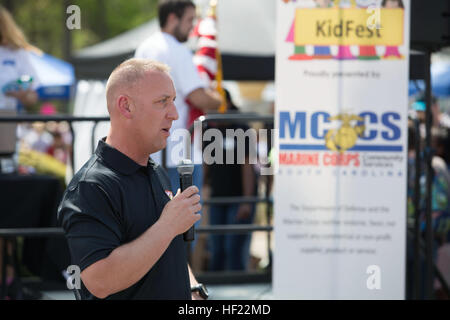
123	230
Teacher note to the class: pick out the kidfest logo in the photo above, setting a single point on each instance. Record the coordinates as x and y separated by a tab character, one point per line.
333	27
304	136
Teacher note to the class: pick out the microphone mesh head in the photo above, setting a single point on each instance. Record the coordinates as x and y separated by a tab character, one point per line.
185	167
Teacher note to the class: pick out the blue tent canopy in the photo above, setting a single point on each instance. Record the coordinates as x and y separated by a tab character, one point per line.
440	81
56	77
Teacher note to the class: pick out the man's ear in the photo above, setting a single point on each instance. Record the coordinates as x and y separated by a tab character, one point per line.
125	107
172	20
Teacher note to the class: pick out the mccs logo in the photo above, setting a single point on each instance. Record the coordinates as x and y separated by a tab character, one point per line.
345	137
354	129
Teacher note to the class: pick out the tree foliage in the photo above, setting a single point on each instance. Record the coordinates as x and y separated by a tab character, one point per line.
44	21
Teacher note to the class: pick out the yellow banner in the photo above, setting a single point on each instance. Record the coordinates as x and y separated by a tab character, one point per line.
337	26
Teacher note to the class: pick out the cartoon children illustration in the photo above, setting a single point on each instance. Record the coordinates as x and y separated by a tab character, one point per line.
344	52
392	52
323	52
366	52
299	50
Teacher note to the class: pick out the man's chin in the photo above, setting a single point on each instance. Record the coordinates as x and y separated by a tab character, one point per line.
158	148
182	40
163	145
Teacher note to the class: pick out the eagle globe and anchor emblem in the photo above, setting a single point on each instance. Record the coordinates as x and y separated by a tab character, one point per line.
346	136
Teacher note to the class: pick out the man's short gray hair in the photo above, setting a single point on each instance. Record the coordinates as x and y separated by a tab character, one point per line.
130	72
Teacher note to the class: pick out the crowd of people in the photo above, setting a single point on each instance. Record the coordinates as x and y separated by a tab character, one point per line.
24	148
440	185
18	83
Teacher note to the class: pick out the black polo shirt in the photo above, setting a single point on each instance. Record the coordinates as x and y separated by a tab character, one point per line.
111	201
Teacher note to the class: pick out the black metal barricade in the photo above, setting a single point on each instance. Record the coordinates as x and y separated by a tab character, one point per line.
69	119
246	276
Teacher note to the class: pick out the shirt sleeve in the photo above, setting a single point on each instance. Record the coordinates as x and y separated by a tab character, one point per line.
92	225
140	52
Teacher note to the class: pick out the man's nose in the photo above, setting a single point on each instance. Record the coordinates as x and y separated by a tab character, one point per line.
173	113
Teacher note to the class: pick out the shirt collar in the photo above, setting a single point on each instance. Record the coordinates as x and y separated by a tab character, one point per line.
119	161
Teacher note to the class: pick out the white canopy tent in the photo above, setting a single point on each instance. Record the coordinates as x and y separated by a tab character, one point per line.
246	40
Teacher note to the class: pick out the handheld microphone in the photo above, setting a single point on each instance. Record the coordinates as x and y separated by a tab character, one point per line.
185	170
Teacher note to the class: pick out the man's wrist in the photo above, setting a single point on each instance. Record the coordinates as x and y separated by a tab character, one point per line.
165	226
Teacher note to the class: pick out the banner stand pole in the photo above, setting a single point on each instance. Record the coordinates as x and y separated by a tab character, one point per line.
429	178
417	268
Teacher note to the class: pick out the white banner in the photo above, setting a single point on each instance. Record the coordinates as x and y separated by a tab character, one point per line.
341	109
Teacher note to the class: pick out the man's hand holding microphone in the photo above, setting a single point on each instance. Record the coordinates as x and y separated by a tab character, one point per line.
180	213
182	209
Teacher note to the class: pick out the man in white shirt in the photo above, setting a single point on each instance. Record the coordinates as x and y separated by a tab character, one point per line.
176	19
